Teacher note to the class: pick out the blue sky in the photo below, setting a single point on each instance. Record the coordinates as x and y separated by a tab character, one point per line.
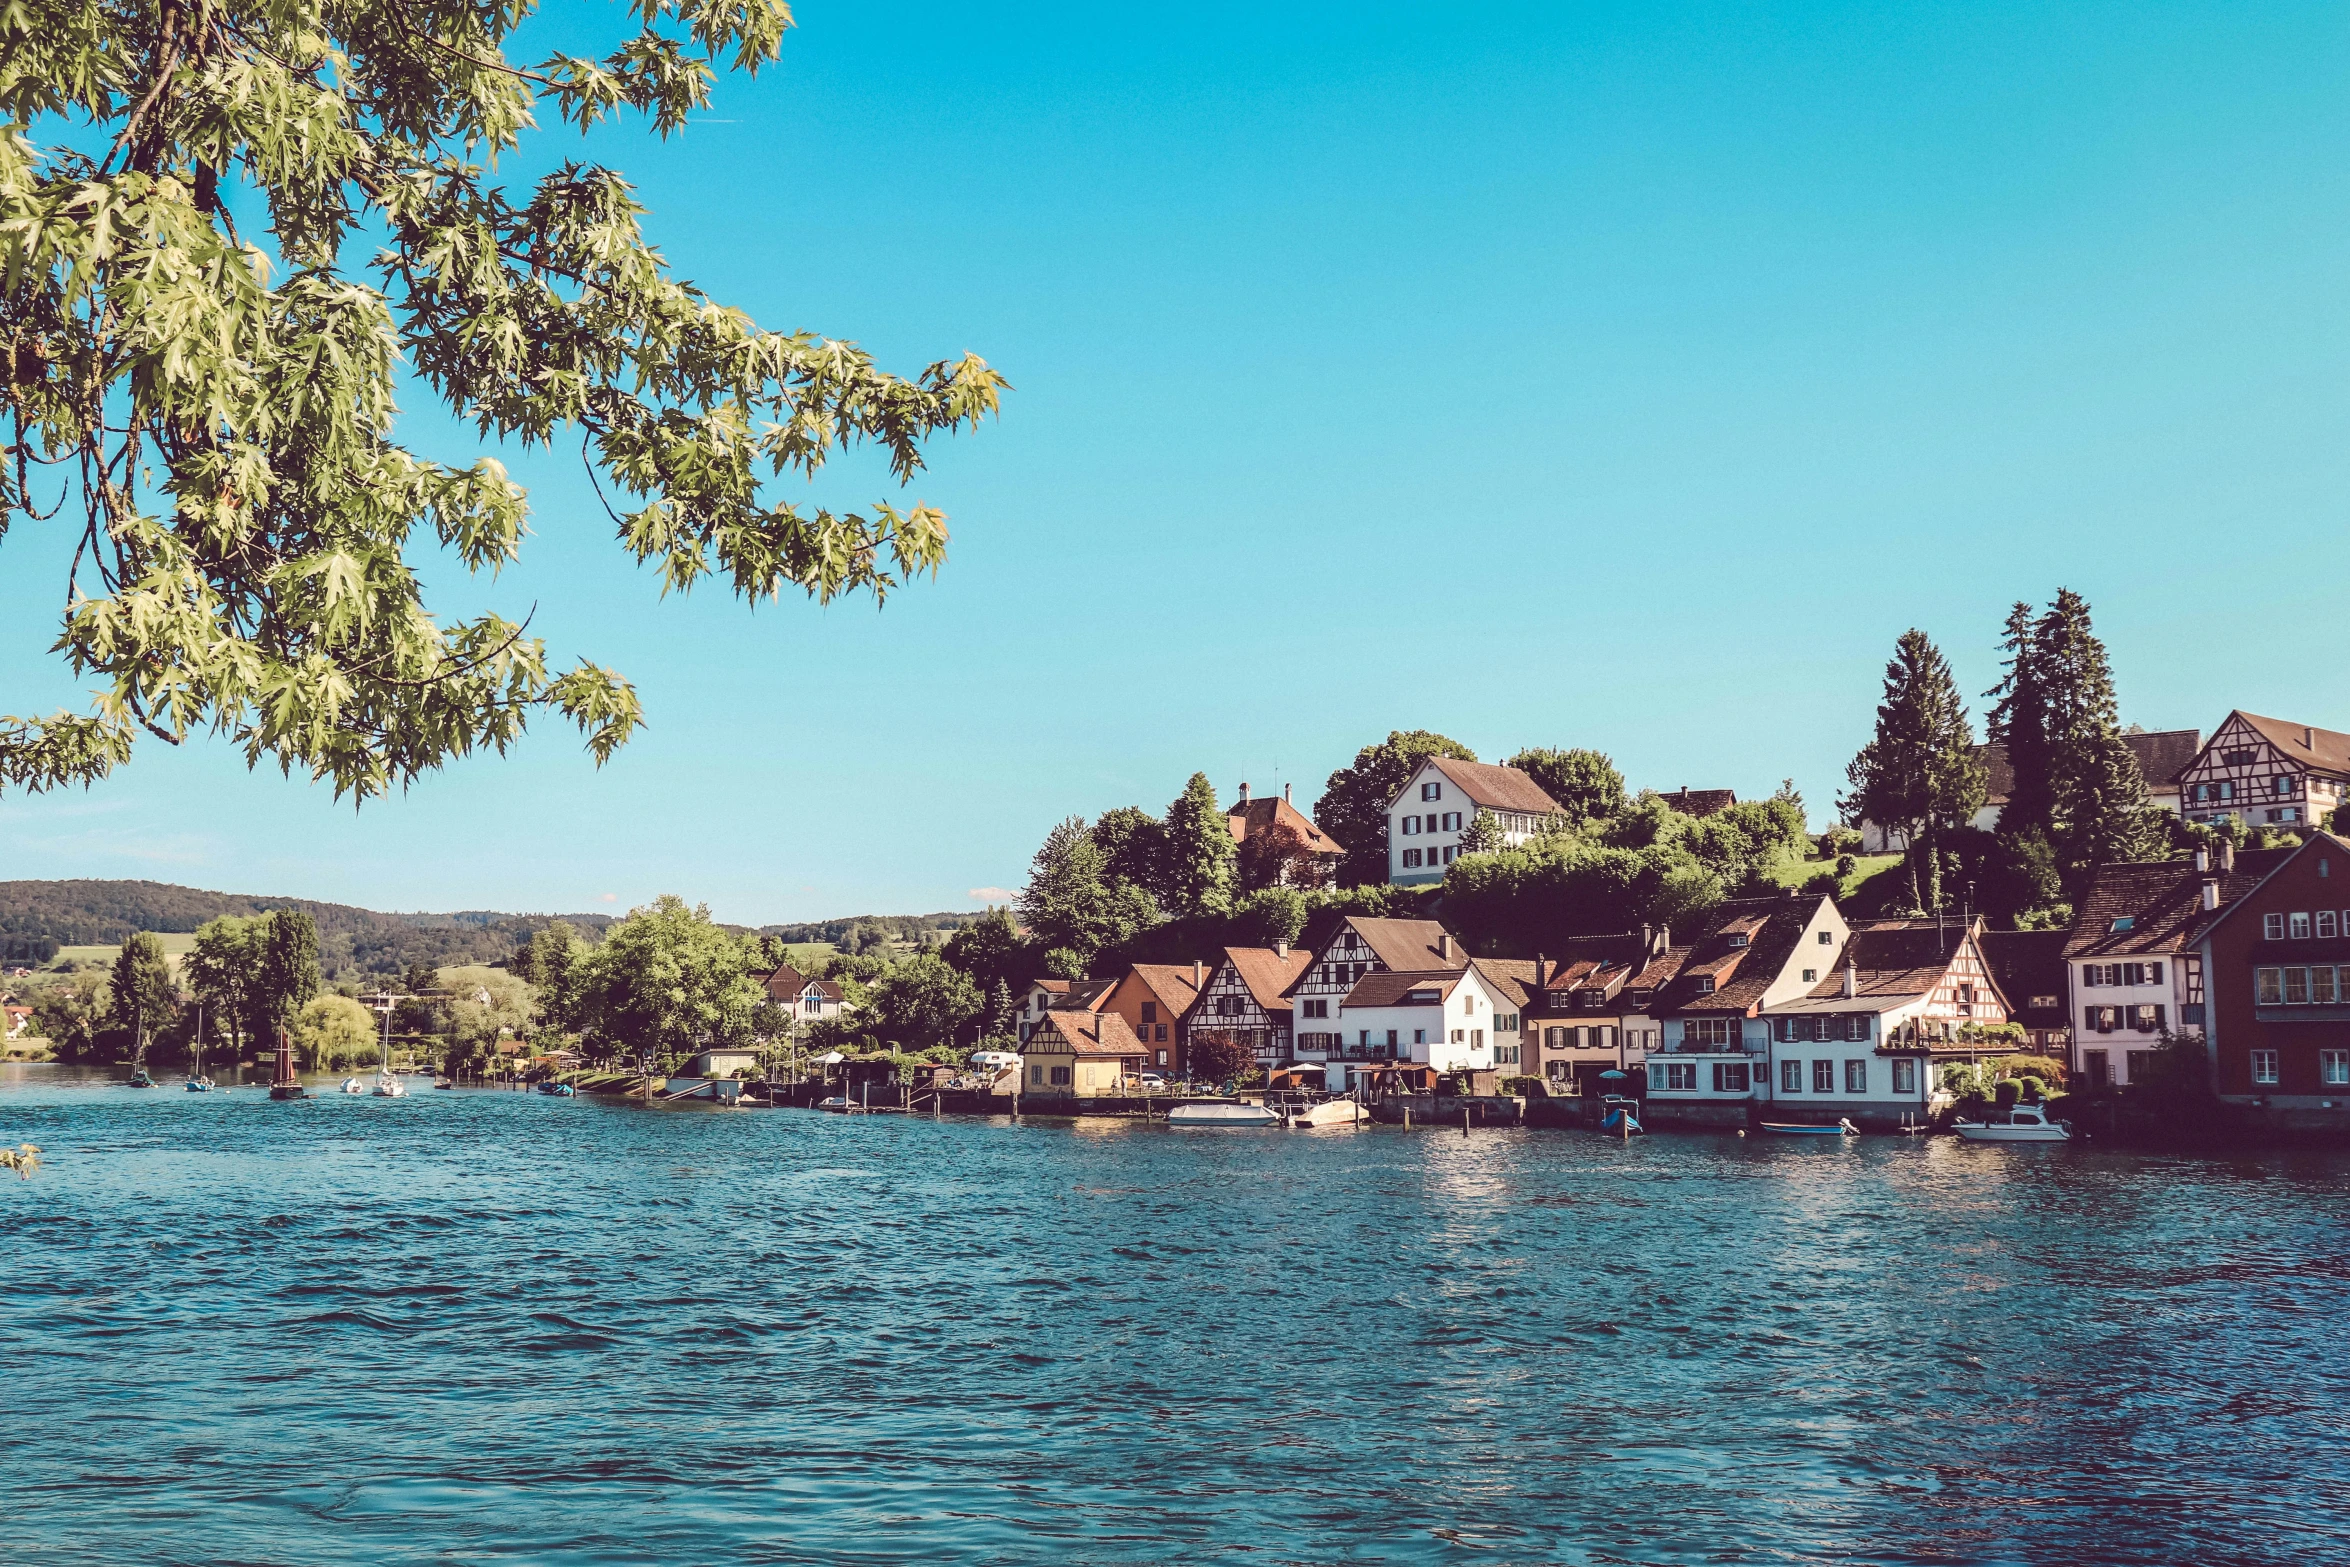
1603	375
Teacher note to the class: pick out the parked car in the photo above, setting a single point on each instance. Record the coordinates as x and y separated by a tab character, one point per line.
1154	1082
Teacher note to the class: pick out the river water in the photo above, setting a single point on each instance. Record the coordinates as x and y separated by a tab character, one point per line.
483	1327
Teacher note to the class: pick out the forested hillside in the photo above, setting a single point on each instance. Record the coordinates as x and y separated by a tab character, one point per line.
351	940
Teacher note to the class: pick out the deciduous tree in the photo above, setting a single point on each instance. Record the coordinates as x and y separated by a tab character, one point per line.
142	994
1070	905
668	980
1584	782
218	403
923	1002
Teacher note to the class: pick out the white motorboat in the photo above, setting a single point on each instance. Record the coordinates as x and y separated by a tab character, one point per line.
352	1085
1223	1113
1328	1112
2023	1124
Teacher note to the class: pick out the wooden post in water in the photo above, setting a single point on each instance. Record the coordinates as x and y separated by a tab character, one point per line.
1464	1120
1407	1116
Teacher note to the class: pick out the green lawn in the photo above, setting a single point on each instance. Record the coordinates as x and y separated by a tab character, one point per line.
1794	873
176	943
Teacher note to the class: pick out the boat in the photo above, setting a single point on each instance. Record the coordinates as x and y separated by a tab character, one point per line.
2023	1124
140	1079
197	1082
1222	1113
1616	1115
387	1082
558	1090
389	1087
198	1085
1839	1128
1325	1112
352	1085
838	1104
443	1082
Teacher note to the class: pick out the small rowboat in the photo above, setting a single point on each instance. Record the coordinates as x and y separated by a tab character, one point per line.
558	1090
1797	1129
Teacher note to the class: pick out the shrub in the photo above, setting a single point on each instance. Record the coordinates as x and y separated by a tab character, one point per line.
1524	1087
2047	1069
2007	1091
1839	842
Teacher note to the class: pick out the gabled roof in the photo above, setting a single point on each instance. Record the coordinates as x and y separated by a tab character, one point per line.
1085	1034
1268	974
1700	802
2161	755
1256	815
1075	995
1510	979
1169	984
1388	988
1740	974
2328	750
1409	945
1894	961
785	981
2028	963
2267	865
2162	901
1494	788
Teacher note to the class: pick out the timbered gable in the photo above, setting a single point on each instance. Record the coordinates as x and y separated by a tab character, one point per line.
2268	772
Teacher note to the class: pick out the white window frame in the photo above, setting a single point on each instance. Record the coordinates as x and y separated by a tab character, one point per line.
2264	1068
2272	927
2333	1068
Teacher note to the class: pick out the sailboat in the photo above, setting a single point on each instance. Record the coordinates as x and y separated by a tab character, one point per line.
197	1082
388	1086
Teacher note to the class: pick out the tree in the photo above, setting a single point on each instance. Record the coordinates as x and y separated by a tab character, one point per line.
1585	783
1134	848
1353	807
482	1007
2019	721
1564	887
1199	852
224	424
285	969
142	993
992	951
1217	1057
667	980
550	964
1276	855
1918	775
1483	835
222	968
334	1032
923	1001
2077	783
1069	904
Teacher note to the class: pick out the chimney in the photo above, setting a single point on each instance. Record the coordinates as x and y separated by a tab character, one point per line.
1539	965
1244	792
2210	893
1199	975
1851	979
2203	861
1444	945
1281	948
2227	855
2308	738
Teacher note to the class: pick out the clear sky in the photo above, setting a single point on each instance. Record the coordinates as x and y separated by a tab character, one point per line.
1623	376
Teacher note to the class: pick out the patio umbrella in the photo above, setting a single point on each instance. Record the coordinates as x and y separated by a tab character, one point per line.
1610	1072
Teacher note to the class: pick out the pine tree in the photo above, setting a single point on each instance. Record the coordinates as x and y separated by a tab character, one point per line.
1199	852
2096	792
1918	775
2019	721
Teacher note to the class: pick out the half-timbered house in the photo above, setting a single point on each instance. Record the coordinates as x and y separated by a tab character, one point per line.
2267	772
1358	946
1246	1003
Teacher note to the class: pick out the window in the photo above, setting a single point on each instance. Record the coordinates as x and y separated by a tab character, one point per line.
1705	984
1036	1074
1810	975
2297	926
1823	1077
1227	1006
2227	790
1856	1077
1731	1077
2321	985
1150	1011
1555	1038
1452	821
1060	1074
2333	1068
2140	1064
1827	940
1460	1036
1856	1027
1738	938
2268	987
2124	922
2100	1073
2272	927
2202	792
1411	856
1678	1075
1391	1039
2146	1019
2296	987
1791	1077
2236	758
2101	1020
2042	1003
1419	1036
2264	1066
1505	1023
1905	1075
1431	791
1162	1058
1707	1031
1411	825
2290	813
1448	854
2325	924
2280	784
1504	1055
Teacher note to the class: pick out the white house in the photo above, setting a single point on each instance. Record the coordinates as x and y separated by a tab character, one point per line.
1055	995
1360	946
807	1000
1437	803
1715	1048
2268	771
1454	1020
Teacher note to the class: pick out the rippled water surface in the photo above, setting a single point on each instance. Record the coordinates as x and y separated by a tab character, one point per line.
484	1327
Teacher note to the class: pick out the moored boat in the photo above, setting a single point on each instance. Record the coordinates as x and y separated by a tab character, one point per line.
1221	1113
1840	1128
352	1085
2023	1124
140	1079
1326	1112
198	1085
558	1090
389	1087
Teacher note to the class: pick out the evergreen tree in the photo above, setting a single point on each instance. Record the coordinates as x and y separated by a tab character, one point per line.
142	994
2018	720
1918	775
2097	794
1199	852
1353	807
1483	835
1134	849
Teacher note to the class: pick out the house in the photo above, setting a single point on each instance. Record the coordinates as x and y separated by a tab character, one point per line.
1046	995
1246	1000
2161	754
2134	969
2028	967
1700	802
1080	1054
1315	857
1449	1020
1426	818
2277	960
807	1000
1576	1007
1358	946
19	1021
2267	773
1756	953
1156	1000
721	1062
1864	1042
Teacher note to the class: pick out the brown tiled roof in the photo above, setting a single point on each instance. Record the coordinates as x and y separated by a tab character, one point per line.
1512	979
1258	814
829	991
1407	944
1268	974
1170	983
2262	865
2028	963
1895	959
1700	802
1496	788
1078	995
1740	974
2162	900
785	981
1388	988
2325	749
1086	1033
2161	754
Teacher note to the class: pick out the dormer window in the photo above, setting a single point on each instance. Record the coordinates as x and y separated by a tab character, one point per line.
1705	984
2123	923
1738	938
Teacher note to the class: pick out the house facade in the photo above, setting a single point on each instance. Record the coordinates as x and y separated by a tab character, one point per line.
2267	772
1451	1020
1048	995
1157	1000
1312	859
1715	1045
1077	1054
1437	803
1245	1002
807	1000
1360	946
2277	968
1580	1013
2028	967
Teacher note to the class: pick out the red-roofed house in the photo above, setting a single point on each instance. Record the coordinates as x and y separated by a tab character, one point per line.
2269	772
1157	1000
1359	946
1246	1002
1270	829
1436	804
2277	960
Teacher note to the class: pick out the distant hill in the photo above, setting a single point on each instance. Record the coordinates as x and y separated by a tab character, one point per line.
908	928
350	940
